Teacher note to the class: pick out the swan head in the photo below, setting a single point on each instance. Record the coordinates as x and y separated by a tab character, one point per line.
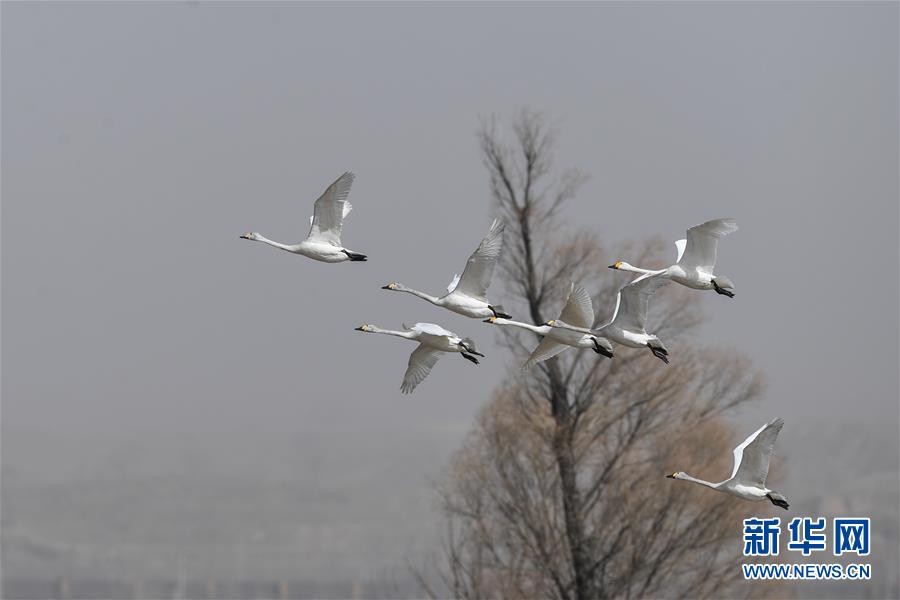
676	475
366	328
251	236
551	323
621	265
490	320
392	286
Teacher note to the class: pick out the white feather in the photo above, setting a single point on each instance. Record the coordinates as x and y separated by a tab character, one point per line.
453	283
679	247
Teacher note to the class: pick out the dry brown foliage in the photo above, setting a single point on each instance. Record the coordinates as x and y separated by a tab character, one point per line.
559	490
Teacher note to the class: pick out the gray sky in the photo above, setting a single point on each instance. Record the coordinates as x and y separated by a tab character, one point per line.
140	139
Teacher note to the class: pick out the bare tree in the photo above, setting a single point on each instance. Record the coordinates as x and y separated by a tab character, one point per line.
559	490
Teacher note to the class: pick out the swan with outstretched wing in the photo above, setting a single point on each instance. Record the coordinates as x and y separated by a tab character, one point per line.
628	325
323	242
467	293
696	259
433	340
579	312
751	468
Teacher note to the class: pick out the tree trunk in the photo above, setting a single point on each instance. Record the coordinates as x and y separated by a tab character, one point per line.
571	498
562	437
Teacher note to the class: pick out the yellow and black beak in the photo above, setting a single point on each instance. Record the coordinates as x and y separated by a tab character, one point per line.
672	476
615	265
490	320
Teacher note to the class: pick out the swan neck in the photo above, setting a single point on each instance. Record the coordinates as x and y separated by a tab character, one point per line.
404	334
539	329
702	482
567	327
279	245
422	295
634	269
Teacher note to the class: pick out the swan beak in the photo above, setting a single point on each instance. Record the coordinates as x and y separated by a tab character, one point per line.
551	322
245	237
360	328
490	320
615	265
389	286
672	476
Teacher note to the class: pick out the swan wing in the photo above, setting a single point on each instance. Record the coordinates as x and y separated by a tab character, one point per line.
546	349
420	364
616	309
330	210
432	329
579	308
634	301
702	241
453	283
751	458
560	324
476	278
679	248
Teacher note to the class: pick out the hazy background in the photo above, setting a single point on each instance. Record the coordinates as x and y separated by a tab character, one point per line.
178	402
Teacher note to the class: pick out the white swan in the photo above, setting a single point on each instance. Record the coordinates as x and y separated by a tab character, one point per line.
433	339
627	326
696	259
578	311
467	295
323	242
751	466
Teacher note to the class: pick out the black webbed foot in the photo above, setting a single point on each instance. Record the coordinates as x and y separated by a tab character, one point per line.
468	345
778	501
355	256
498	312
469	357
660	353
601	350
721	290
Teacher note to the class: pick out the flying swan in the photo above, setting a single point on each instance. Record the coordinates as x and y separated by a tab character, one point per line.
751	465
696	259
433	339
578	311
467	295
323	243
628	323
